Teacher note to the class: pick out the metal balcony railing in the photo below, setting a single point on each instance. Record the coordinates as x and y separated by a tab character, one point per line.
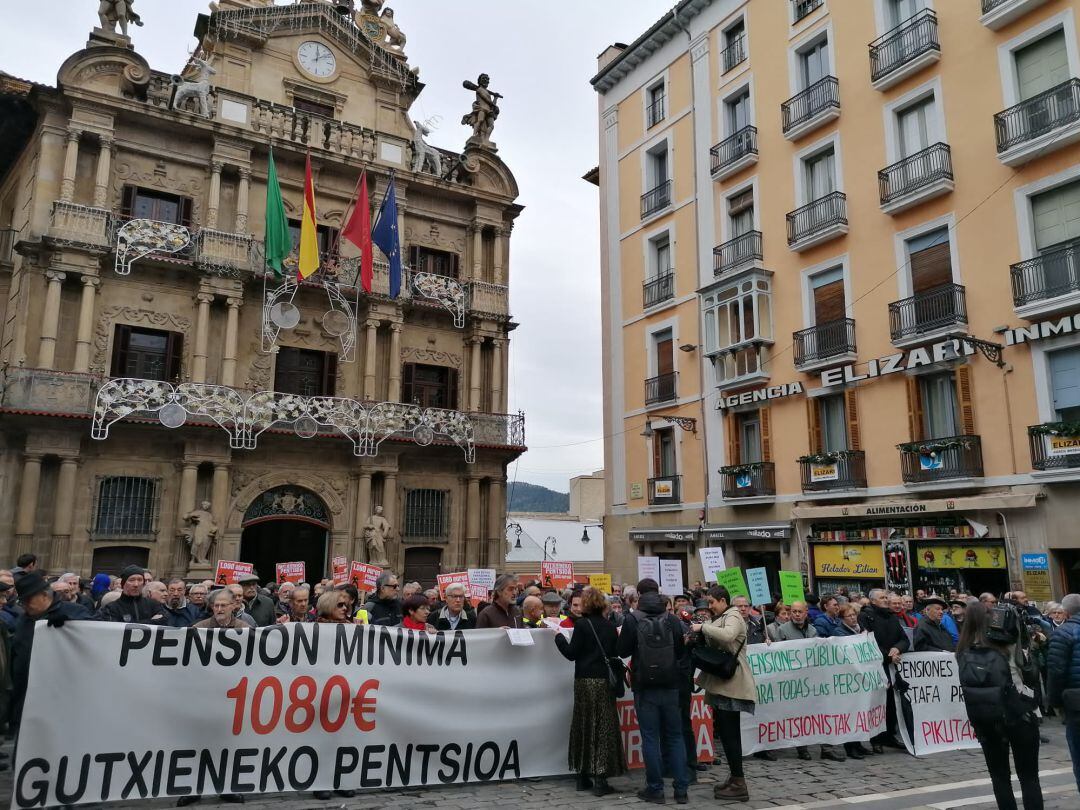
825	340
660	388
1055	272
737	252
915	172
831	472
907	41
656	199
928	311
667	489
654	113
1054	446
658	289
814	100
7	244
1038	115
734	54
803	8
990	5
734	148
941	459
753	480
817	216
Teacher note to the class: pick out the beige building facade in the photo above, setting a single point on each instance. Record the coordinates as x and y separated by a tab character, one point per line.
840	291
145	368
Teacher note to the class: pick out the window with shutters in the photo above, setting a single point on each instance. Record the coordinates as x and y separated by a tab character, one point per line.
655	100
1041	65
930	260
941	405
143	203
1065	384
427	515
438	262
664	452
429	386
305	372
832	416
819	174
814	62
327	237
126	507
146	354
741	213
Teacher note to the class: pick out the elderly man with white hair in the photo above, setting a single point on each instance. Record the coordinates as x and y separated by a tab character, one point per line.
1063	676
455	614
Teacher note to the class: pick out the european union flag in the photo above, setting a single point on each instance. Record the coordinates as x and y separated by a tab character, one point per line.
385	235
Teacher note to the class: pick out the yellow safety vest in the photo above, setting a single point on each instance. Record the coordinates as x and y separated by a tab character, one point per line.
362	615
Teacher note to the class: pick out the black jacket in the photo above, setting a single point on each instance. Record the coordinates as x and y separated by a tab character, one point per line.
582	649
932	637
386	612
442	622
183	616
886	628
262	610
22	645
133	610
652	604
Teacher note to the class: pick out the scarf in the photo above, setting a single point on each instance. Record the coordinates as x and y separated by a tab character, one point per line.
411	624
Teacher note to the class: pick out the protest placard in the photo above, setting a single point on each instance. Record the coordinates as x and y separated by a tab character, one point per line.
461	578
671	578
757	582
290	572
340	570
602	582
701	723
363	576
648	568
791	587
484	578
931	714
555	574
712	561
732	579
228	571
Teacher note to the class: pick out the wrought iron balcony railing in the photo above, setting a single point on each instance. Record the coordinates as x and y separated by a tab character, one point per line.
823	341
941	459
903	44
737	252
661	388
654	113
833	472
817	216
753	480
734	54
822	95
1039	115
656	199
928	311
803	8
915	172
990	5
81	225
1049	275
658	289
1055	446
734	148
667	489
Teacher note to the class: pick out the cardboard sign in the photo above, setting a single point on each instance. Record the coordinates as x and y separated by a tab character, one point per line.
483	577
290	572
229	570
363	576
732	579
340	569
701	723
712	561
648	568
557	575
461	578
478	593
671	578
602	582
934	704
757	582
791	587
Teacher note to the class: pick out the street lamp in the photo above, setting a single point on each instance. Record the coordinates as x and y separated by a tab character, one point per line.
517	532
585	535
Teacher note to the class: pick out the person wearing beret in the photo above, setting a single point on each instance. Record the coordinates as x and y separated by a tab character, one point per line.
930	634
259	607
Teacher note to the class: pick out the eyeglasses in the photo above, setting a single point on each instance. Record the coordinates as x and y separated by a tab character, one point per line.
395	585
342	605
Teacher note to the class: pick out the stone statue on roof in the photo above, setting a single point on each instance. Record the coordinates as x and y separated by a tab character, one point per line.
117	12
485	110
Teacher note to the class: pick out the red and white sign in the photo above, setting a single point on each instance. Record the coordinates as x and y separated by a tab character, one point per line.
461	578
701	721
363	576
556	575
290	572
228	571
340	568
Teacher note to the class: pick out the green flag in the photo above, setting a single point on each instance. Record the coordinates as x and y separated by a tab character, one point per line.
277	242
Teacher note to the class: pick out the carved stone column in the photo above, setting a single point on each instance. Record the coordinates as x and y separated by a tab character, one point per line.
215	194
389	505
394	388
50	320
104	171
228	362
26	513
242	194
370	339
189	482
496	531
219	497
496	375
477	231
363	512
71	164
202	337
64	512
475	344
85	331
472	522
497	262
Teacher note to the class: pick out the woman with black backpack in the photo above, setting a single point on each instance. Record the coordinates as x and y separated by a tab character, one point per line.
1001	707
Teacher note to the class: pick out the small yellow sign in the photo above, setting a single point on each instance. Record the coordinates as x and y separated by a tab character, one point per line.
961	557
850	561
602	582
1063	445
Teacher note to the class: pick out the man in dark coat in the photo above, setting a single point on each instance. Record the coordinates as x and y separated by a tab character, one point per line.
260	608
455	614
1063	673
878	620
179	612
132	606
38	603
930	635
385	607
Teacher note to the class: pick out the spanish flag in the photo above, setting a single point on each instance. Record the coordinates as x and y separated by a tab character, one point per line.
309	235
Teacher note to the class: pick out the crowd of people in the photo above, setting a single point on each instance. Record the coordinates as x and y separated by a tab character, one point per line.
1018	664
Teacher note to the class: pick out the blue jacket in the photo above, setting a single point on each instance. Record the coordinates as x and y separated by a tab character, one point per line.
949	623
1063	660
182	617
827	627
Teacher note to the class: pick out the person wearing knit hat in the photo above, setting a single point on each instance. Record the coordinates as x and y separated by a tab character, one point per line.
99	587
132	606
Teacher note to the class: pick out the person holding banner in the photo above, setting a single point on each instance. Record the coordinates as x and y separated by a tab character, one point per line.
878	619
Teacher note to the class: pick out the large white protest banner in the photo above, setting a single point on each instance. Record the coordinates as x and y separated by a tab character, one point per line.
294	707
821	690
934	705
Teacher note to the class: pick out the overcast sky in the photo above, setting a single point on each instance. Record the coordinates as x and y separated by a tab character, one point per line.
540	54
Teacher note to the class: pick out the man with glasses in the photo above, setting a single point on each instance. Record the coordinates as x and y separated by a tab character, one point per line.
455	614
385	607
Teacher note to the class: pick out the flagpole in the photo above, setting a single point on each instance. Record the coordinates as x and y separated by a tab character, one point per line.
375	224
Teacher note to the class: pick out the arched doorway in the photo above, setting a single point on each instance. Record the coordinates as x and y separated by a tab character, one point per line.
286	524
423	565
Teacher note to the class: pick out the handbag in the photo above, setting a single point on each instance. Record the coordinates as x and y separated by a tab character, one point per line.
719	663
616	669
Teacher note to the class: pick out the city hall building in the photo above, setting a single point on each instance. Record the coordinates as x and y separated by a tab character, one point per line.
151	363
841	279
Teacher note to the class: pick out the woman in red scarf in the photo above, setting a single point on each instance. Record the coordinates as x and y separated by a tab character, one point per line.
415	612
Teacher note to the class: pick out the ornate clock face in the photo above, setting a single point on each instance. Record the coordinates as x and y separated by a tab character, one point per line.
317	59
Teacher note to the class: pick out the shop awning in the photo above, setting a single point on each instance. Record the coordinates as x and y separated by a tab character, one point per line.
756	531
1023	499
664	534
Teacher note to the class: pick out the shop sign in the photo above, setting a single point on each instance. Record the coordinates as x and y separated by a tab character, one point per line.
849	561
663	488
760	395
1062	445
1036	575
676	535
946	556
1042	330
824	472
777	531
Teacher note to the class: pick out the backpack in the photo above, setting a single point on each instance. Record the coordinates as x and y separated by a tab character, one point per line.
654	659
989	693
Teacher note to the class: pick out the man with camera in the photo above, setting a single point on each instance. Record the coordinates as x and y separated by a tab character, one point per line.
1063	676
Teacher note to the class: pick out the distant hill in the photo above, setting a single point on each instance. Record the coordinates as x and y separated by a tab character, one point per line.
534	498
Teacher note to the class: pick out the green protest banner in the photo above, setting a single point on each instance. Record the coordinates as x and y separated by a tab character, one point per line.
791	587
732	579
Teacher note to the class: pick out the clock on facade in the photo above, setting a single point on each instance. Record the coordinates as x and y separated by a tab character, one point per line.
317	59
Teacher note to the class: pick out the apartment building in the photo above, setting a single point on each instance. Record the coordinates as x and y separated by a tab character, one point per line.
840	291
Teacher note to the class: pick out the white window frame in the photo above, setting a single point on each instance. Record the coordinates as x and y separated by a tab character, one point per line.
730	94
803	24
796	49
893	110
1010	82
654	329
900	240
799	170
722	44
649	243
734	191
1025	220
881	15
647	152
1040	366
753	278
843	263
646	100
